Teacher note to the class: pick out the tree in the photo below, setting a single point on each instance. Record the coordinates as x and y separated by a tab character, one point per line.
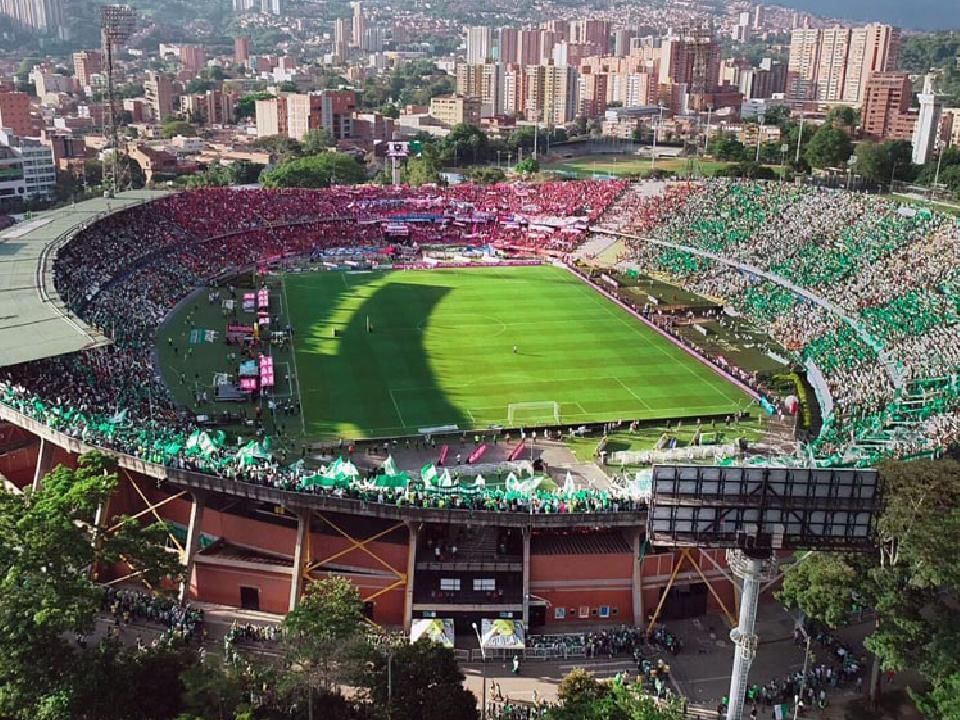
912	580
323	635
281	148
425	683
47	593
875	161
317	141
749	170
172	128
777	115
287	86
315	171
726	146
425	169
246	106
528	166
486	175
843	116
583	698
244	172
829	147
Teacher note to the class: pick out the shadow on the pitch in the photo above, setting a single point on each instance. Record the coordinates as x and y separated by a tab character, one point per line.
381	379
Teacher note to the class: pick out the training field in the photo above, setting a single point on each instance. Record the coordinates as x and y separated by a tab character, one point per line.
441	353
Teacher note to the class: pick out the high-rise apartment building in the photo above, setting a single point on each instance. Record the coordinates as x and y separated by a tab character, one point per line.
341	39
456	110
271	115
15	113
86	64
479	41
594	32
192	57
507	39
834	64
528	47
158	89
483	81
886	104
45	16
241	50
692	60
873	48
802	63
559	95
359	24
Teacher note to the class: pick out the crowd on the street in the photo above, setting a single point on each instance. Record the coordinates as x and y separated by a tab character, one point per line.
125	273
883	277
137	606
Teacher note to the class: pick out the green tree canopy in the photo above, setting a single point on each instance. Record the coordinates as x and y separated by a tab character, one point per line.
47	594
246	106
875	161
317	141
426	684
528	166
315	171
280	147
912	581
829	147
726	146
324	634
486	175
582	697
172	128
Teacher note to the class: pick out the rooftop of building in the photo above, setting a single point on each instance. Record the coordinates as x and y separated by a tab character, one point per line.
34	322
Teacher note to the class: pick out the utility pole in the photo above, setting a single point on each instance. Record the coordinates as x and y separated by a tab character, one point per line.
483	659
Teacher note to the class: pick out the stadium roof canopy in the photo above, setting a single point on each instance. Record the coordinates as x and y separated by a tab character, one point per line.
34	322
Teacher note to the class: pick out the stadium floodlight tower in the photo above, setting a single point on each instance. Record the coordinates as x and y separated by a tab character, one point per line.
117	24
755	513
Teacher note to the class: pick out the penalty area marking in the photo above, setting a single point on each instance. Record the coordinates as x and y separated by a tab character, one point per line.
638	398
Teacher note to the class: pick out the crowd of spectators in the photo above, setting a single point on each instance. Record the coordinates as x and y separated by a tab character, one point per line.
138	606
125	273
886	274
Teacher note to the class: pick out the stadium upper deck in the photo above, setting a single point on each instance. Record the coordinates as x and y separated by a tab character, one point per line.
34	322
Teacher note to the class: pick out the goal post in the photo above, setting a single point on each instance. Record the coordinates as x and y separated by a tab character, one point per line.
545	412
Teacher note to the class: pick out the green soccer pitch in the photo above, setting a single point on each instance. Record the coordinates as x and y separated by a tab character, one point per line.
459	347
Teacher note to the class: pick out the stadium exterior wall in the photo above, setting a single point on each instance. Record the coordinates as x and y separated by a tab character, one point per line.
571	581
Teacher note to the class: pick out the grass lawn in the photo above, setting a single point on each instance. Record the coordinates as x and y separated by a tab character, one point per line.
441	353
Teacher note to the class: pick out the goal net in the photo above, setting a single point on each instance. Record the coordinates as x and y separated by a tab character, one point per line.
533	413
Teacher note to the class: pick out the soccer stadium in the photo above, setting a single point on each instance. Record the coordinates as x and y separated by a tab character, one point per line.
456	396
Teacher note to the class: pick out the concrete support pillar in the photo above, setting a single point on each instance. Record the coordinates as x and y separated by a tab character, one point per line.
414	531
44	463
526	578
637	585
192	544
296	579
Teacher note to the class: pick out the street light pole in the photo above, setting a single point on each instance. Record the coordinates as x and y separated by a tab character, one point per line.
656	131
760	122
483	666
936	178
799	138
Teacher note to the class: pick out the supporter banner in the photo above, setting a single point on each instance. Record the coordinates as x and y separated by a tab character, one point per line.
438	630
502	635
199	336
456	265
